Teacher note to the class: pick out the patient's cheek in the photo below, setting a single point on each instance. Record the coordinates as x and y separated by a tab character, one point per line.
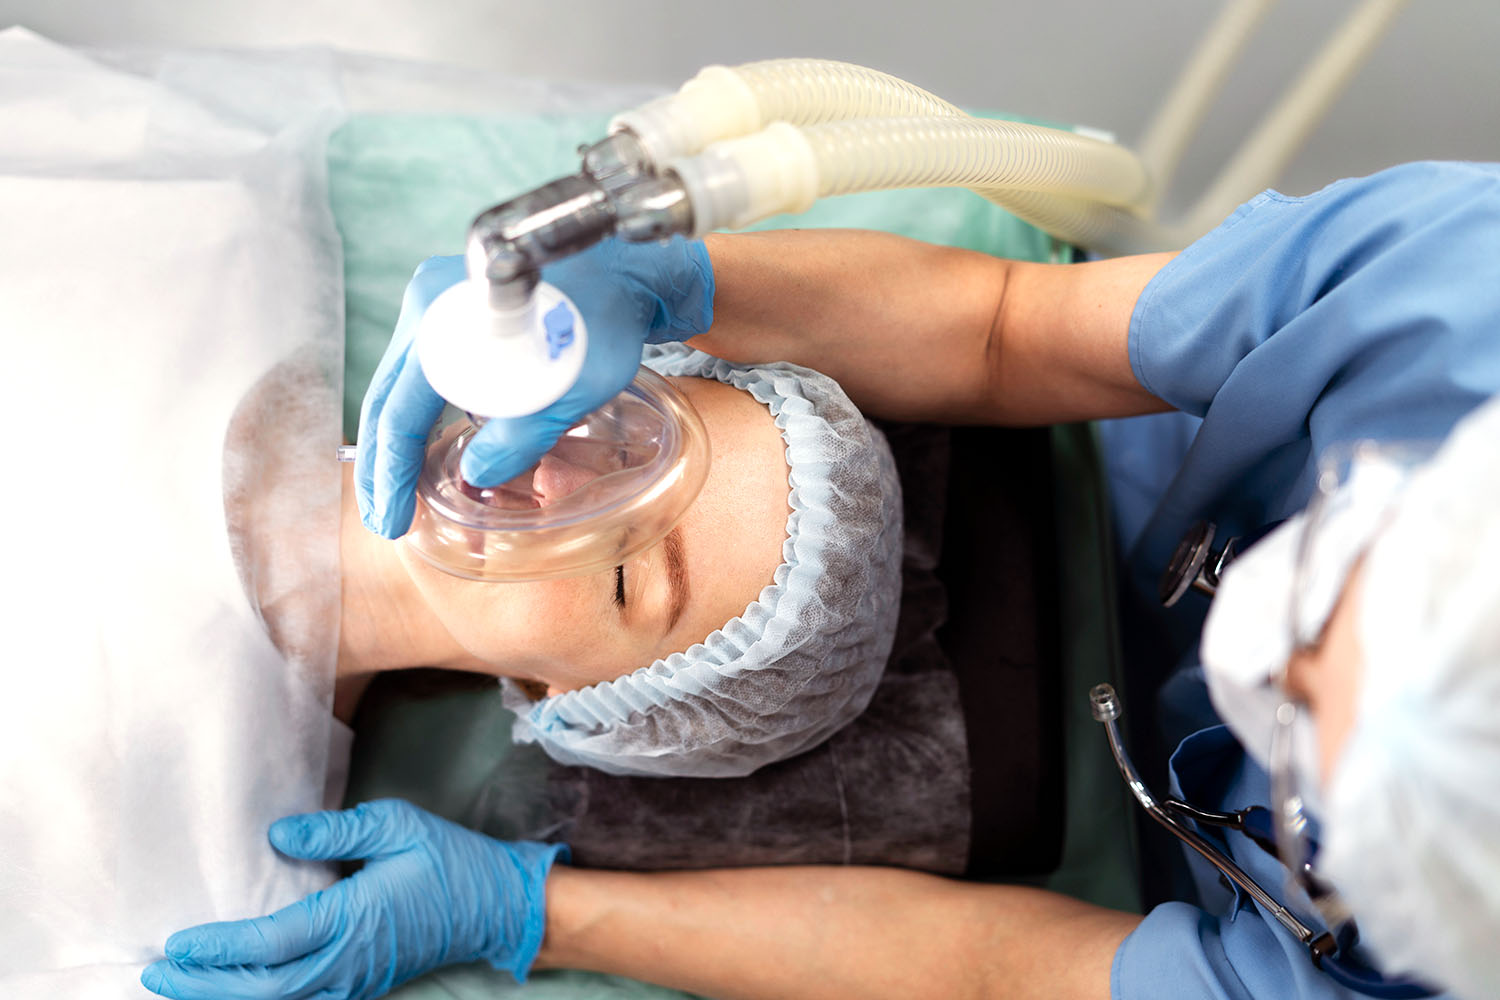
549	629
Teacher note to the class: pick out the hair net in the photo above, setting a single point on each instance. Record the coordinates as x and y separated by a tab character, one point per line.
1410	832
805	657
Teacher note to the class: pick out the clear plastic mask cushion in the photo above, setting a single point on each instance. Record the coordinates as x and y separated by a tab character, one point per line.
610	487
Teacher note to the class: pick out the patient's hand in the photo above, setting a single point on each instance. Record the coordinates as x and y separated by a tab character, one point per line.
431	893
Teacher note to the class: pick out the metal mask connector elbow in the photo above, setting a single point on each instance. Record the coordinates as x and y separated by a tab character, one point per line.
504	343
616	193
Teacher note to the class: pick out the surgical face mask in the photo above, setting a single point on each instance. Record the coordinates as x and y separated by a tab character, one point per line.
1247	640
1408	819
1278	596
1411	828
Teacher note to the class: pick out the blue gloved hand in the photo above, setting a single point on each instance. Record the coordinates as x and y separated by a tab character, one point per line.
629	294
431	893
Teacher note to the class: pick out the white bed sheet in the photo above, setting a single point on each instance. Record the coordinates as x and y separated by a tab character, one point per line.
162	250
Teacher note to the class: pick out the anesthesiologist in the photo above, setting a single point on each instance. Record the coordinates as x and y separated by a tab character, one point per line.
1367	311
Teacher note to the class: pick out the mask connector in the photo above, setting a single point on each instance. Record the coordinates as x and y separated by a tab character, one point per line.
506	344
495	362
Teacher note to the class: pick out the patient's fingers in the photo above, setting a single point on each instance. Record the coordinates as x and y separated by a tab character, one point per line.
289	933
370	829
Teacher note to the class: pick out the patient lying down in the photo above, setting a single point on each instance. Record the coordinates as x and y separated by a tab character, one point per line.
649	668
199	702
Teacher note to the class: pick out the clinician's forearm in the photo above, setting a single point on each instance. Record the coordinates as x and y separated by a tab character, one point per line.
862	933
916	331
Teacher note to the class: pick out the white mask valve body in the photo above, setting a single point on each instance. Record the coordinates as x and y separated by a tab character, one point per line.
492	362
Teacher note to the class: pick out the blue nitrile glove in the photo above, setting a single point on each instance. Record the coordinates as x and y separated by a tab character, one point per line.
629	294
431	893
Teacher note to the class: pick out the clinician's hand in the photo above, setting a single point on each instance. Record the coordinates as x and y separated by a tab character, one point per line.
629	294
431	893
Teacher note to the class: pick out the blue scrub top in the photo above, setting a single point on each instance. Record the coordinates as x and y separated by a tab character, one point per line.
1368	310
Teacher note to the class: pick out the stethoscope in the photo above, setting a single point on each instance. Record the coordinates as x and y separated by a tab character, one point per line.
1198	565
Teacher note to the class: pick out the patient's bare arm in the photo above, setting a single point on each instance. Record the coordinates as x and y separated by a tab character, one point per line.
830	932
919	332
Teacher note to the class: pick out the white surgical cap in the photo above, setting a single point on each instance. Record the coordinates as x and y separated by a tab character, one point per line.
1411	834
805	657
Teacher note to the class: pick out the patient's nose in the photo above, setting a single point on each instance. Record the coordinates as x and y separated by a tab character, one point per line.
556	477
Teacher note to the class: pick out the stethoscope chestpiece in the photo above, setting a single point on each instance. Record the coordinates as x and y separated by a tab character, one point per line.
1195	565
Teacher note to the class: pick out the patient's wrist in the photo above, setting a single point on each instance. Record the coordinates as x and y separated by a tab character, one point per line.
565	896
582	926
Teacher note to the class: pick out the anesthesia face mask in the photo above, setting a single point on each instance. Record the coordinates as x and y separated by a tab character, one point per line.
613	485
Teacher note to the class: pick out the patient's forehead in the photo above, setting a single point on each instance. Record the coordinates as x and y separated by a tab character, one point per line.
734	532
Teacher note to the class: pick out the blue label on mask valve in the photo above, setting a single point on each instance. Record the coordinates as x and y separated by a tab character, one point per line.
559	325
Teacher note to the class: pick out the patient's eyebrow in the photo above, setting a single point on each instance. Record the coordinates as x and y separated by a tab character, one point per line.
677	578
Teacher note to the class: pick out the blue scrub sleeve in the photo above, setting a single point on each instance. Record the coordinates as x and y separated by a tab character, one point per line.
1370	309
1366	309
1181	951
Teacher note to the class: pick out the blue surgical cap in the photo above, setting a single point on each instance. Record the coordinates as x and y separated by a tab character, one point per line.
805	657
